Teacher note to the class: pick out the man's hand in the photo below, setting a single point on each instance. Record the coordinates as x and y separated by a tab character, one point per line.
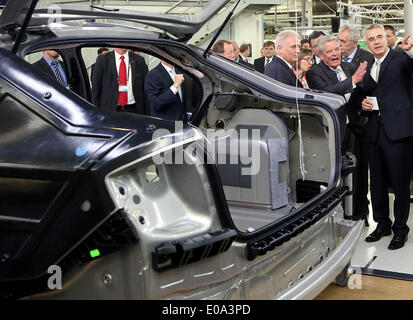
367	105
360	72
407	43
179	78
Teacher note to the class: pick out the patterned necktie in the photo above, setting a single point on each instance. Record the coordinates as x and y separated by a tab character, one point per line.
337	74
267	62
58	74
345	59
123	95
378	63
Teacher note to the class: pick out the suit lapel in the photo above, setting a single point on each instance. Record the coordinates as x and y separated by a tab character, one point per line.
287	69
386	62
329	73
112	64
357	56
166	78
132	63
346	70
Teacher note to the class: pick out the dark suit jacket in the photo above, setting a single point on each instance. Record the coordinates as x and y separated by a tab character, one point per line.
44	66
321	77
259	64
392	92
279	70
105	88
361	56
163	103
245	63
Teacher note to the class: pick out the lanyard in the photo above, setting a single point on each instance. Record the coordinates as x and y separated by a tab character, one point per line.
127	74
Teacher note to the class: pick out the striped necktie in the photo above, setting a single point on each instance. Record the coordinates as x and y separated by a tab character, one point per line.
345	59
337	74
58	74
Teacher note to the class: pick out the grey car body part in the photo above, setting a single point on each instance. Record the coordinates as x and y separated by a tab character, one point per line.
299	267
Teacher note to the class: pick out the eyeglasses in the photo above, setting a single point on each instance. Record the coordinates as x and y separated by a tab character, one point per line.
308	59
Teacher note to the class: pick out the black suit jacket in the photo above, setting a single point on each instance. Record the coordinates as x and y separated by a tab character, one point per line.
245	63
259	64
105	87
361	56
44	67
321	77
163	103
392	92
279	70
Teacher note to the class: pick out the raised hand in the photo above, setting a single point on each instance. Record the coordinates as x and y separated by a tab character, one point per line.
407	43
360	72
179	78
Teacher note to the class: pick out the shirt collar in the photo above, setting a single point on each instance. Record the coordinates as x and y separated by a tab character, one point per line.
289	65
169	70
384	57
351	55
339	68
49	62
117	55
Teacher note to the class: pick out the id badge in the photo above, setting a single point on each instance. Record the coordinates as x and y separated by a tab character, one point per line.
123	88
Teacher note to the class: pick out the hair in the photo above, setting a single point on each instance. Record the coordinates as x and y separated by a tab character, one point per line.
326	39
354	34
373	26
304	41
315	35
283	35
219	46
244	47
100	50
268	43
304	53
389	27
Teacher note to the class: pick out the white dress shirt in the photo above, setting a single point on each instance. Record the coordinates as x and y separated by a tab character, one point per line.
269	61
172	73
131	98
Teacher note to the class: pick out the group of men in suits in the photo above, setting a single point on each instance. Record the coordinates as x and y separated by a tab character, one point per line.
379	109
121	82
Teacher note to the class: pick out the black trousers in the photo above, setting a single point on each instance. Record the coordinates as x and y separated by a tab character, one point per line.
390	166
131	108
357	145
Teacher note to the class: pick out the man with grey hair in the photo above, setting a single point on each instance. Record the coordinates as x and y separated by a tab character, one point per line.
389	133
336	76
283	66
350	51
333	75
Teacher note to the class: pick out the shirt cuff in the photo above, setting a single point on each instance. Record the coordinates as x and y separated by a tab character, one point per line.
410	53
174	90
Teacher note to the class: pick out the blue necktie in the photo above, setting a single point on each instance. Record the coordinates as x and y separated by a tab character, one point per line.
58	74
345	59
337	74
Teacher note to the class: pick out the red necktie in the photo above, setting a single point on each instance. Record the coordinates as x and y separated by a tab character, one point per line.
123	95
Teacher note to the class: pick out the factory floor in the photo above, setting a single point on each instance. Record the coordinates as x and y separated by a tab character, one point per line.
379	273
